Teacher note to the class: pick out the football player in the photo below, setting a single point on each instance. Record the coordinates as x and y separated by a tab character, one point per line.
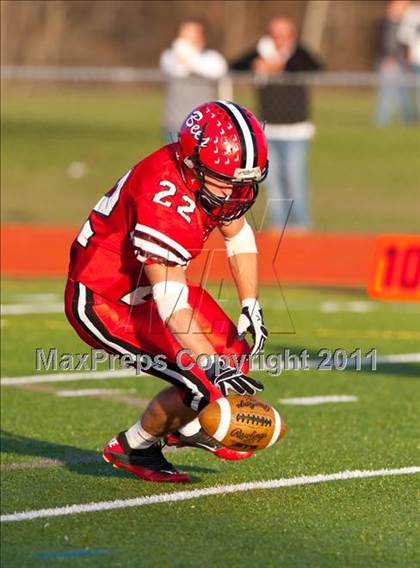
127	290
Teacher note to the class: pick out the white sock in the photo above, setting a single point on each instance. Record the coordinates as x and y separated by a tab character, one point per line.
191	428
138	438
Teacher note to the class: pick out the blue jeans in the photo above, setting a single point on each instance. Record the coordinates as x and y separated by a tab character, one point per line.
287	184
416	71
394	98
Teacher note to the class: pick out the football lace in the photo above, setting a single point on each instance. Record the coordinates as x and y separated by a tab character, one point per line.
254	420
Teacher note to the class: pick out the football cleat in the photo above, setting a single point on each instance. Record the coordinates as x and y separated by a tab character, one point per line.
204	442
148	464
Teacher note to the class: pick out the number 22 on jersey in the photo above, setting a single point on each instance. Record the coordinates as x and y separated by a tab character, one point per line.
161	198
107	203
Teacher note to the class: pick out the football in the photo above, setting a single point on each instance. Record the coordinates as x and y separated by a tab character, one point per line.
242	423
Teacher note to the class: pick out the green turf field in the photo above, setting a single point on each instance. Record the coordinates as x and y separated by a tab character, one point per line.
363	178
358	522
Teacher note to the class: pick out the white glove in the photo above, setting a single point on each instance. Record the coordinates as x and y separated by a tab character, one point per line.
251	319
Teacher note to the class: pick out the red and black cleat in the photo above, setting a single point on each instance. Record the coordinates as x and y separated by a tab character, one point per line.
149	464
205	442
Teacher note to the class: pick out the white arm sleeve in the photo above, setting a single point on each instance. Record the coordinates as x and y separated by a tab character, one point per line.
242	242
170	296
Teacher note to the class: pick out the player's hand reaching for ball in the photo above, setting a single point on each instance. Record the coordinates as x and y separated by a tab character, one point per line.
251	320
230	379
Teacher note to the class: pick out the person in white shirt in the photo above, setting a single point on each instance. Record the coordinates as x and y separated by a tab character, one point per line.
192	73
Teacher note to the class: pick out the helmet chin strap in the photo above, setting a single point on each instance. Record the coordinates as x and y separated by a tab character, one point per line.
210	202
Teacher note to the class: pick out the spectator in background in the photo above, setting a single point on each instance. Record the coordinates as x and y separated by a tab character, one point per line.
192	73
393	95
285	108
409	37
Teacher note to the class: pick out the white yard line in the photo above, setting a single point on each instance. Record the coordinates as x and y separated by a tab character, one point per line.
402	358
352	306
91	392
351	364
48	462
206	492
120	373
66	377
313	400
359	306
22	309
48	305
36	297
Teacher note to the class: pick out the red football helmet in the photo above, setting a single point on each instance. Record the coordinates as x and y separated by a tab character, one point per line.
224	141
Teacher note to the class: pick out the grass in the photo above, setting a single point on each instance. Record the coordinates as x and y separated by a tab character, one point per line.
371	522
363	178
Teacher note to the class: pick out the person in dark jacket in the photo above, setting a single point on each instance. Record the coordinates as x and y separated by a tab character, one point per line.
285	108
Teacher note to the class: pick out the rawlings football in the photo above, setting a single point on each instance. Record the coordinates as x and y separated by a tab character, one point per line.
242	423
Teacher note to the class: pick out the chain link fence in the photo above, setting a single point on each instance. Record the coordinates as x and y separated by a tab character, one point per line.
361	132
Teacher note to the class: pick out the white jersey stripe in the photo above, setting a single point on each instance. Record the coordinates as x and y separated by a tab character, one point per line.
153	248
140	257
137	295
249	146
107	203
82	314
197	394
162	237
96	333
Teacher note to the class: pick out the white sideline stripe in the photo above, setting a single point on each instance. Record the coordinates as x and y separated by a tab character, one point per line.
98	375
206	492
21	309
313	400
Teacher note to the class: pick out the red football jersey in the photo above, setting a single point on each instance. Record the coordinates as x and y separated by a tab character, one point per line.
150	215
